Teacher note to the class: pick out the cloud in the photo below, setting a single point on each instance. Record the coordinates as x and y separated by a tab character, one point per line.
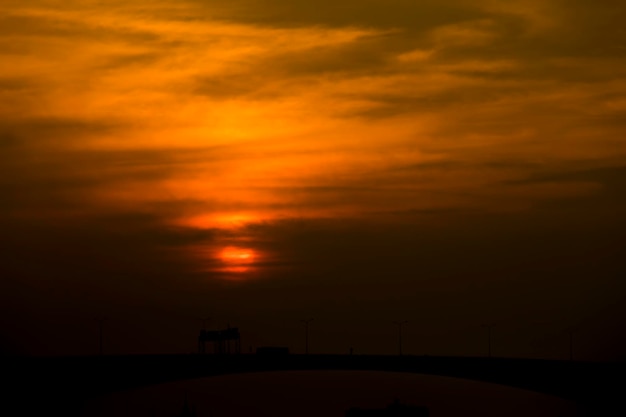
396	13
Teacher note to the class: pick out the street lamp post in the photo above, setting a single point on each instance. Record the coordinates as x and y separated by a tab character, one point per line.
100	335
306	335
488	327
570	333
204	321
399	324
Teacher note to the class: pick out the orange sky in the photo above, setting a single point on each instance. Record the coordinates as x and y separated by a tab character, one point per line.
258	120
234	120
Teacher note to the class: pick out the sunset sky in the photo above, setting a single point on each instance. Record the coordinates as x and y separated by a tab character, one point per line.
452	163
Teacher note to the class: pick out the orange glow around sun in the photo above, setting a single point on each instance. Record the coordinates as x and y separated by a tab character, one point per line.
224	221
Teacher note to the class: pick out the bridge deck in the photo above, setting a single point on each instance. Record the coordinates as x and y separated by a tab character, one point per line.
89	376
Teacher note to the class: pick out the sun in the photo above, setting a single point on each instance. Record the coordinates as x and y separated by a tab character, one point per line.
237	255
237	259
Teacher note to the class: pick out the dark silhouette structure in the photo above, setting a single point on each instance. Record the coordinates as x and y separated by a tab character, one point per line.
489	328
396	409
272	350
400	324
100	322
187	411
61	382
221	340
306	334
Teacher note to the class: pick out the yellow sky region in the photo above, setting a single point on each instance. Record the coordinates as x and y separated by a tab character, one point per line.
88	77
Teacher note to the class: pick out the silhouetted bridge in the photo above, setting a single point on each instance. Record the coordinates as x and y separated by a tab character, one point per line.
68	379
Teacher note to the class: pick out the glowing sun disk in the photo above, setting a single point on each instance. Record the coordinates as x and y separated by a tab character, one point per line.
237	256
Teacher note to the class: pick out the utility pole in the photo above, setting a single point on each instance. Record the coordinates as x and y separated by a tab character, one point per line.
399	324
100	334
306	335
489	327
204	321
202	337
570	332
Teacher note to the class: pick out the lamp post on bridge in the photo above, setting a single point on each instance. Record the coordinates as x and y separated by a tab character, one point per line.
100	322
306	334
488	327
202	336
399	324
204	321
570	333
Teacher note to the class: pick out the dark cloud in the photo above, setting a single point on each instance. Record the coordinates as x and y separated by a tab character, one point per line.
612	176
98	255
67	180
15	84
276	73
49	26
611	195
130	61
391	14
57	131
570	29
